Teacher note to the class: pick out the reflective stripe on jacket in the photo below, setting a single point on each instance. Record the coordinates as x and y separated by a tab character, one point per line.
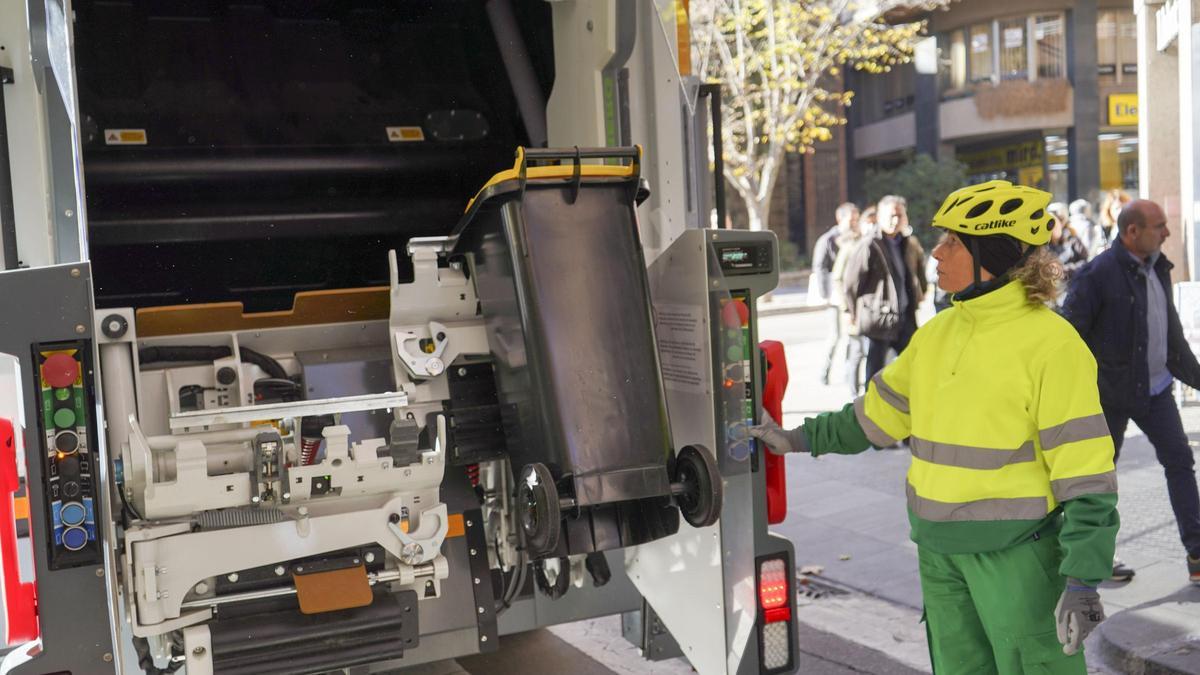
998	399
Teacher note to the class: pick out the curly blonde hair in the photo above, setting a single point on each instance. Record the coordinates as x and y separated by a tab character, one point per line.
1041	274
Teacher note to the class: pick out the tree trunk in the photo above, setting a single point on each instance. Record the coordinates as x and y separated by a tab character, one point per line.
757	216
763	209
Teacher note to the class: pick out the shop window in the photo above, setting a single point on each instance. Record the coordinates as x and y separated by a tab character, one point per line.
1119	162
1051	52
1014	51
1057	174
980	58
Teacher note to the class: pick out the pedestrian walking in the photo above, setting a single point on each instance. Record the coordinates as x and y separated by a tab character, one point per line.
1011	490
867	226
885	283
856	344
1065	243
825	254
1080	220
1106	230
1122	307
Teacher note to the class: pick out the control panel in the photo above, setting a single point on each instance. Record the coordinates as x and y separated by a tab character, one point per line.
68	451
746	262
736	344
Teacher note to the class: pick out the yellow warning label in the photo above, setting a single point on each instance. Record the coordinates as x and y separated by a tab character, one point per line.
402	134
124	136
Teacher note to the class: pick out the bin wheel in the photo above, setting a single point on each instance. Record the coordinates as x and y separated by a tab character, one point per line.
701	496
537	506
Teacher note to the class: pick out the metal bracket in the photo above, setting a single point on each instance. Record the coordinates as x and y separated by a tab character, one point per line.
197	649
423	363
424	544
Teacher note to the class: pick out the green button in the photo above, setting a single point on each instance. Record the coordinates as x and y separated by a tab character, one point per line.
734	353
62	394
64	419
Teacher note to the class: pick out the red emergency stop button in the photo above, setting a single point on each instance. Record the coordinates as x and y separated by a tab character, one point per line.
735	314
60	370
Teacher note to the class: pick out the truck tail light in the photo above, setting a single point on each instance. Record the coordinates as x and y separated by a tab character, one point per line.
775	613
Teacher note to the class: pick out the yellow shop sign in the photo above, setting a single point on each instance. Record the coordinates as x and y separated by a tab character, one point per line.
1123	110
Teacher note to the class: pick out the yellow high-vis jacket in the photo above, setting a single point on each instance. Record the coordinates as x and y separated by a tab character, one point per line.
997	399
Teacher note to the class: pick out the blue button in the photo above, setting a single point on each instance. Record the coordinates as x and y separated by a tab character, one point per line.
73	513
74	538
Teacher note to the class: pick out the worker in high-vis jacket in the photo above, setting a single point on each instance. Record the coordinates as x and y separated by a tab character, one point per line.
1012	493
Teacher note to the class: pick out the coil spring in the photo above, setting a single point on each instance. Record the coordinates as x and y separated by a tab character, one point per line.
308	450
473	474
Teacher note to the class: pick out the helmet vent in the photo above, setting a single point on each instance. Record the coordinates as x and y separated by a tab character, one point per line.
979	209
1010	206
1037	215
950	207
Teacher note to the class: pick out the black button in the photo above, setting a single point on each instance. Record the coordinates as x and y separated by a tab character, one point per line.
226	376
66	441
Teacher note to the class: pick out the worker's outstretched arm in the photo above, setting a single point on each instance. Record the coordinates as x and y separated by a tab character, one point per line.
879	418
828	432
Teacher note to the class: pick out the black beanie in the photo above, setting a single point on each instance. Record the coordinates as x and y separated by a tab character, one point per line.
997	252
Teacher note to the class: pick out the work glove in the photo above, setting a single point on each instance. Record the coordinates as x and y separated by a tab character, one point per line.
778	440
1077	614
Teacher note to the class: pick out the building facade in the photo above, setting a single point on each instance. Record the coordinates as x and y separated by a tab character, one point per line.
1168	33
1038	92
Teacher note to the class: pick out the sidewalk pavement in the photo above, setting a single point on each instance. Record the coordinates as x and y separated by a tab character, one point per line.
789	297
847	519
1154	620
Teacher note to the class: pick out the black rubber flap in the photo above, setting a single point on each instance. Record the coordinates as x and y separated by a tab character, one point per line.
290	642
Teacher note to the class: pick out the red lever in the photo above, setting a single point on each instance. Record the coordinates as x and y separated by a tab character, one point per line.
772	400
20	599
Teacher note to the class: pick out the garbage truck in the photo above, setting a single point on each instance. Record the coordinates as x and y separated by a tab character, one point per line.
363	334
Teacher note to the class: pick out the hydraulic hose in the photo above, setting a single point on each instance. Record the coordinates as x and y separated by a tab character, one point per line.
175	354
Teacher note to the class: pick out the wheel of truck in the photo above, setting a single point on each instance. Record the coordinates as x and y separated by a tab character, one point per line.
700	500
537	507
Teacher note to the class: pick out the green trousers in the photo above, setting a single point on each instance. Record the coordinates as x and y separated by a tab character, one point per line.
993	613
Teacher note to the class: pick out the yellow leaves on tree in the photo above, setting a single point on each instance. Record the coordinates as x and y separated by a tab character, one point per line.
780	64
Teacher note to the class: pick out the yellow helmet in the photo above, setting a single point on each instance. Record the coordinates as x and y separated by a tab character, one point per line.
998	207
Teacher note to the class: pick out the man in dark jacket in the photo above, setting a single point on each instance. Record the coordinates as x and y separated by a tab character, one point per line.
1121	304
884	284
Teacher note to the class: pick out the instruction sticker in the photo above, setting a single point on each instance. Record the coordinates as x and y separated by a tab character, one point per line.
681	339
124	136
403	134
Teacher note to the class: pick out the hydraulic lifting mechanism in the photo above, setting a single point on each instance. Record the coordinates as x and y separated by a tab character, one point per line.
289	385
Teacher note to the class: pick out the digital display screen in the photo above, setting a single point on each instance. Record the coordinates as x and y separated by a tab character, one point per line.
737	256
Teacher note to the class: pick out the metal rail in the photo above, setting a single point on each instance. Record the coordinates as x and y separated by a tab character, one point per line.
291	409
419	572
